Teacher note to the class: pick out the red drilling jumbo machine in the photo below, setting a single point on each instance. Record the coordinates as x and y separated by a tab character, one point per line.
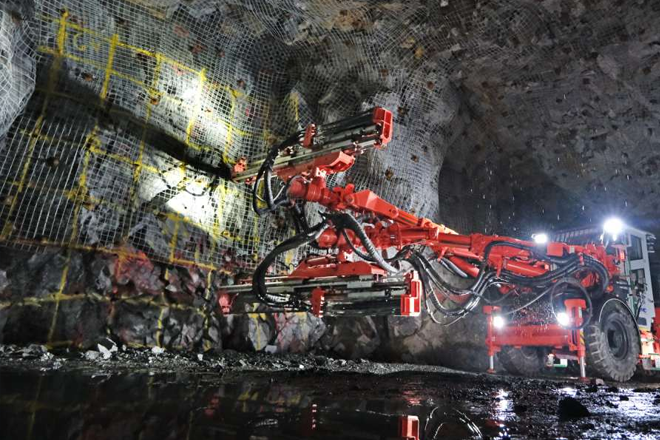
364	256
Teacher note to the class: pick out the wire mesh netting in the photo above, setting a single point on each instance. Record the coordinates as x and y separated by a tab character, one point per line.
134	101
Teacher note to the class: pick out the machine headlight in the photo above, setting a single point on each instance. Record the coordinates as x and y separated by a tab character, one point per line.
540	238
613	227
563	319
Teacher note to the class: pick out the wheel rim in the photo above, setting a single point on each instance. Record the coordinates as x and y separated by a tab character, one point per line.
617	338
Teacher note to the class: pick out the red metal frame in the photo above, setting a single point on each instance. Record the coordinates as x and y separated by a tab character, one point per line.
411	303
395	228
392	227
409	427
317	301
656	331
466	251
552	335
384	119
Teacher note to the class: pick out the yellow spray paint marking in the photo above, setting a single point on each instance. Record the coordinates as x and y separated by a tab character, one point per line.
58	295
80	200
207	317
81	196
52	82
108	67
230	127
62	297
184	181
228	140
82	47
173	240
159	330
33	409
80	40
90	140
196	106
294	103
139	165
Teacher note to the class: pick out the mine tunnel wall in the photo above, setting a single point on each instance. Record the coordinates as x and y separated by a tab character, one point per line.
75	300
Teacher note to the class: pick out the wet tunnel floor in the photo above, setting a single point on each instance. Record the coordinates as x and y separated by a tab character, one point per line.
103	402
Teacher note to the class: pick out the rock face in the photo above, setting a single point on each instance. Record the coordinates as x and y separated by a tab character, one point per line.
19	66
78	300
510	116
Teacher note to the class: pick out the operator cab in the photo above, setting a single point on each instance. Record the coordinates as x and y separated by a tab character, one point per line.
638	287
635	288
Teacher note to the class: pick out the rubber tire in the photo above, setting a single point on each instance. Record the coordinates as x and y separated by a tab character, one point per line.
525	361
614	358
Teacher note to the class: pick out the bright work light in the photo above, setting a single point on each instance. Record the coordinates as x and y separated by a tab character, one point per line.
540	238
613	227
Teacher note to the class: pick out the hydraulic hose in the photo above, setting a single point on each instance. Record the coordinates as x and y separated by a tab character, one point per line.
547	281
542	280
264	174
572	282
448	264
347	221
259	276
297	212
600	270
397	257
475	287
421	265
429	293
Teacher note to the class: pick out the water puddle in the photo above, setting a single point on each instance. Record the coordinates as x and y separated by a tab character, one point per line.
201	406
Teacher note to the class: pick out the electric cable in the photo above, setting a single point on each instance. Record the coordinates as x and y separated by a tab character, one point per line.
575	284
400	255
347	221
259	275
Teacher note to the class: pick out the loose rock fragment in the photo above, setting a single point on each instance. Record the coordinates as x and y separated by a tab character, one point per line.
570	408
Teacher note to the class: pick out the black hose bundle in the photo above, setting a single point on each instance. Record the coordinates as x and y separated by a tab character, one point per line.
574	286
421	265
549	283
345	221
264	174
474	293
259	275
297	213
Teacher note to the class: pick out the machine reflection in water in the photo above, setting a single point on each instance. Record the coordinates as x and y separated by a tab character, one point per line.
98	406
